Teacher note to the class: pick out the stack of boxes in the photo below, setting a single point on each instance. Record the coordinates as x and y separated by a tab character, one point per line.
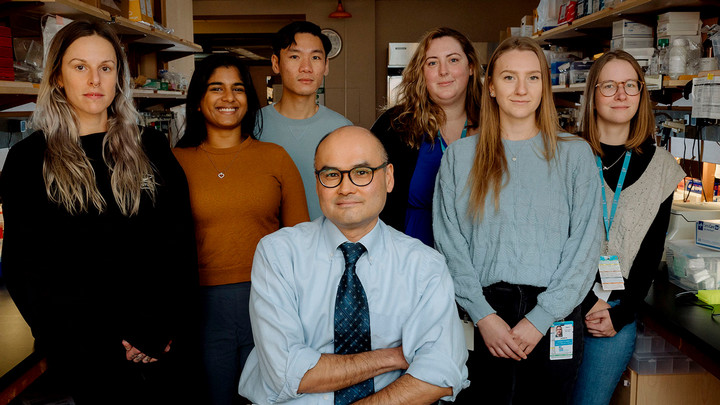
635	39
676	25
6	55
628	34
654	355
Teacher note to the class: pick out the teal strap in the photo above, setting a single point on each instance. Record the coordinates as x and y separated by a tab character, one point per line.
443	146
618	189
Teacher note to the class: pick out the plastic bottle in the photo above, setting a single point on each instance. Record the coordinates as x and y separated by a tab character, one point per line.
662	57
677	58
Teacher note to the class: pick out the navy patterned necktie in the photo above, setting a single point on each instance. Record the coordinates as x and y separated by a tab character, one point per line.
352	321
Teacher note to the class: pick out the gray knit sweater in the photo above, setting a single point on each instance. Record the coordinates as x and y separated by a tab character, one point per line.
546	232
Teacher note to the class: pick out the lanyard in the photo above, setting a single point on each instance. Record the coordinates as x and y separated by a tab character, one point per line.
462	135
618	189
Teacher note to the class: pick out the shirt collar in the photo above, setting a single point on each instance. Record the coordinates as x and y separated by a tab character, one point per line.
334	238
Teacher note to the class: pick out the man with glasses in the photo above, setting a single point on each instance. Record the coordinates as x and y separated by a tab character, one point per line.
345	307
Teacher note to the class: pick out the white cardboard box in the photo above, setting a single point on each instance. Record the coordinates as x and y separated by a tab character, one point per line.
627	28
631	42
677	16
707	233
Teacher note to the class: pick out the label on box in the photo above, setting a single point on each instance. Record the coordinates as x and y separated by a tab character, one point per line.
707	234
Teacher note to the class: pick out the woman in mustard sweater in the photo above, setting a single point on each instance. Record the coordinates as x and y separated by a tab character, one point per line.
241	189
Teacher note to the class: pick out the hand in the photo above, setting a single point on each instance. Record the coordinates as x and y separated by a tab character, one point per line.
598	324
599	306
526	335
496	335
135	355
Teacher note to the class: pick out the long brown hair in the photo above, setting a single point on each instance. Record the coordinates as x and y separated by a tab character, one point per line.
642	125
69	176
421	117
490	164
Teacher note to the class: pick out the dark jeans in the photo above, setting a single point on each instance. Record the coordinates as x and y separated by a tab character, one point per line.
536	380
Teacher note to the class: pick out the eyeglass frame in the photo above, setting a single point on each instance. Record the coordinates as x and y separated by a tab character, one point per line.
343	172
617	88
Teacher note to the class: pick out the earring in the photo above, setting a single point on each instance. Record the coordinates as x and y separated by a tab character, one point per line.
492	94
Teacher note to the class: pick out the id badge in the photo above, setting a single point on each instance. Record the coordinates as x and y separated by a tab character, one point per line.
610	273
561	340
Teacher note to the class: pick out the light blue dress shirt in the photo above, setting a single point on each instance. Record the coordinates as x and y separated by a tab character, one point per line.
295	276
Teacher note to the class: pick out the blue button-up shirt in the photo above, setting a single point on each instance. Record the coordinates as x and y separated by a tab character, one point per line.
295	276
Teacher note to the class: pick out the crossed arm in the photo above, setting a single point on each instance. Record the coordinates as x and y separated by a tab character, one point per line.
334	372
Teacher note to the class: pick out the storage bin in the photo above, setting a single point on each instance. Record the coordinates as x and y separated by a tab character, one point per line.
692	267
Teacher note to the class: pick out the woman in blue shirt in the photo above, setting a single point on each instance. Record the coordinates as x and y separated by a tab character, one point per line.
439	103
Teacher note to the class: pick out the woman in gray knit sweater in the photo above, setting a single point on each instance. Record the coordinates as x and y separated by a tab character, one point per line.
517	216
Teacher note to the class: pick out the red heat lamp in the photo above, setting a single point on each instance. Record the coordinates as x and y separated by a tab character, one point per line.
340	12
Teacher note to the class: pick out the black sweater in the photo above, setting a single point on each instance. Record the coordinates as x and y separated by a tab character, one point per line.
404	159
84	282
645	267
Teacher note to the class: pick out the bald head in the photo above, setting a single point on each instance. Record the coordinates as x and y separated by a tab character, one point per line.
353	209
349	132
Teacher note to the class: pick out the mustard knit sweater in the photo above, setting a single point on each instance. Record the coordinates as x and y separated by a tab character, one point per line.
260	193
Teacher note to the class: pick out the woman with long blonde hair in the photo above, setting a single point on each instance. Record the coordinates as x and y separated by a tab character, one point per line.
438	103
639	180
516	216
99	252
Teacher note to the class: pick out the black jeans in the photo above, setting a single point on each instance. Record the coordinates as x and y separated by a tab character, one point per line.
535	380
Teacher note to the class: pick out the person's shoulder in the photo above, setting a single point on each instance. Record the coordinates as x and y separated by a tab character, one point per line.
154	139
463	148
573	145
33	142
297	235
327	113
410	247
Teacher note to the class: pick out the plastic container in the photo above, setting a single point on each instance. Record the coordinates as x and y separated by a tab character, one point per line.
692	267
677	58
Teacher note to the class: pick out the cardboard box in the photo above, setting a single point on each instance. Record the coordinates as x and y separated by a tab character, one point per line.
707	233
679	28
627	28
140	10
513	31
679	16
631	42
527	20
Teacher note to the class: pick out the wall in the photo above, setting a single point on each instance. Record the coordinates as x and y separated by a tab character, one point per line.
480	20
178	16
356	84
350	86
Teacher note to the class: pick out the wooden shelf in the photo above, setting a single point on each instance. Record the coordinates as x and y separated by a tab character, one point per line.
573	88
626	9
25	88
169	46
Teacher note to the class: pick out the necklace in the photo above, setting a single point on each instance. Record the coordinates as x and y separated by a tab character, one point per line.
614	163
516	152
221	173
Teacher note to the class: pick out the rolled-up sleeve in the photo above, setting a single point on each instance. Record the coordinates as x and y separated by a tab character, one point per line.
281	356
433	339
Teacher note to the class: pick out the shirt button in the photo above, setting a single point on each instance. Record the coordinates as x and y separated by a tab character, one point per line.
326	397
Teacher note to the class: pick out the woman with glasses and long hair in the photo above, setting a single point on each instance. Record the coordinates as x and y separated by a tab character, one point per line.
438	103
516	215
638	180
241	189
99	249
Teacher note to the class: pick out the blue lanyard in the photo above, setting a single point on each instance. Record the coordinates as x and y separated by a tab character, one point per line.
618	189
462	135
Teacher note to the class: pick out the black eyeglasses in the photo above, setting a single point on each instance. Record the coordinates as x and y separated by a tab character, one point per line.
608	88
359	176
